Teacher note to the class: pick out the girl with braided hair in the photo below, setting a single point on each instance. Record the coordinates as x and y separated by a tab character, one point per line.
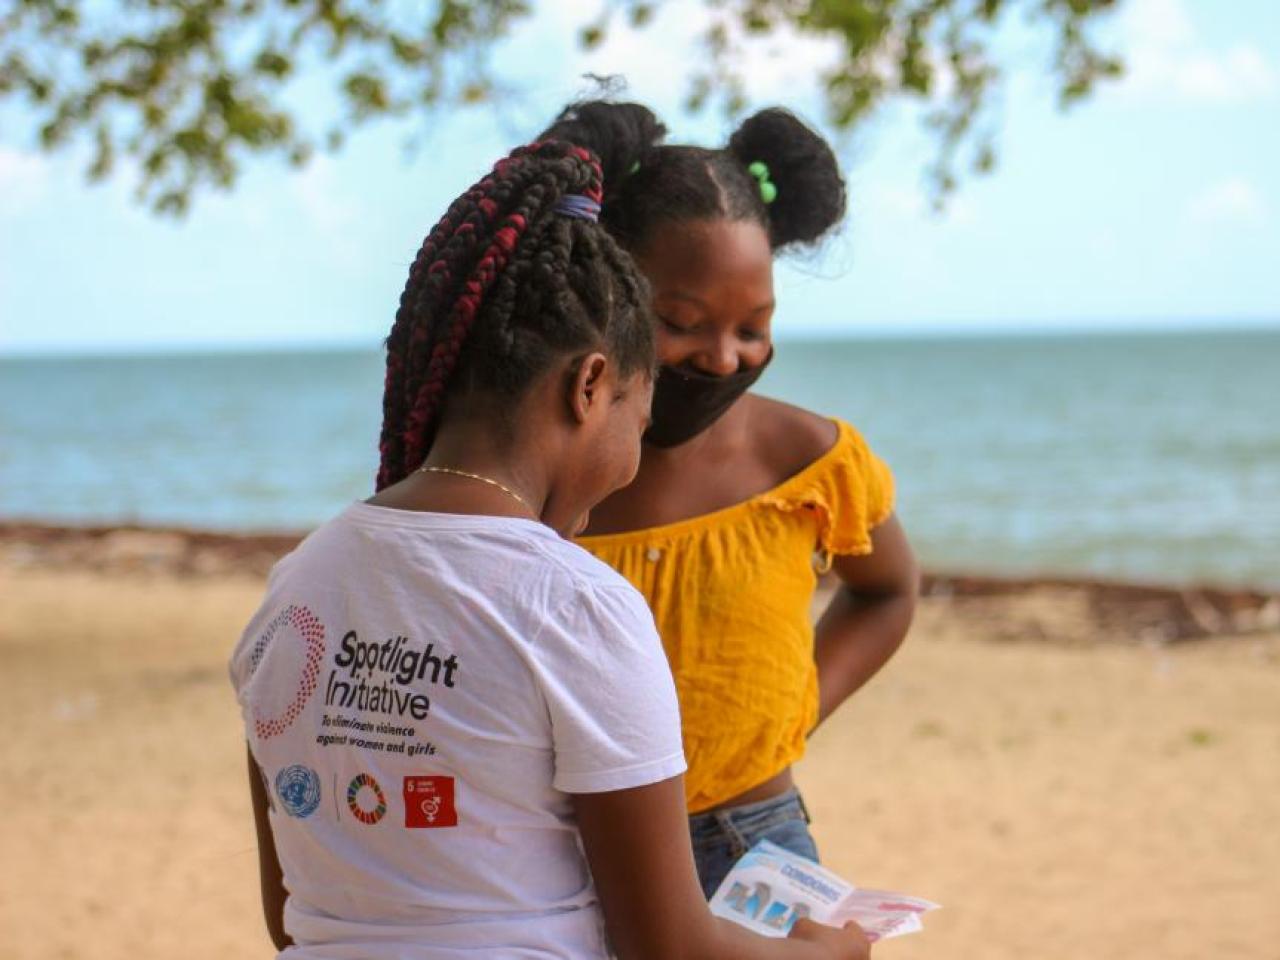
456	718
741	501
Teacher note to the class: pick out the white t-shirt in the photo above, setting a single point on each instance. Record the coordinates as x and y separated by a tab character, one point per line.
423	692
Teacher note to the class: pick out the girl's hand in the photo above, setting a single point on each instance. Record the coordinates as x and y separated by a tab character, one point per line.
841	943
637	842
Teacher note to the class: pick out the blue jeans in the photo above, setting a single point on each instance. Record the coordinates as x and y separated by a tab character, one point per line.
722	836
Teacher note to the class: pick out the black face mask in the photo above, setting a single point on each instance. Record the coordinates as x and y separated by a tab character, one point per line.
686	402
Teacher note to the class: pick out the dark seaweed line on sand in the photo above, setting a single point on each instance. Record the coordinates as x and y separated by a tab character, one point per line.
1117	609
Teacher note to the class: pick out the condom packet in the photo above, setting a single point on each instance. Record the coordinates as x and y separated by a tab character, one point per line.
770	888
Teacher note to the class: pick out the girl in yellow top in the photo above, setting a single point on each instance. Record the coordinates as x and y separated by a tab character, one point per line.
741	501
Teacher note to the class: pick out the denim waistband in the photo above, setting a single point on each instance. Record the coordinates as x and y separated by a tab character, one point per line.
751	817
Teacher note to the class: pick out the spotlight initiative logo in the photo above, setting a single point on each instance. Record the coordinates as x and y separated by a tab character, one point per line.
307	649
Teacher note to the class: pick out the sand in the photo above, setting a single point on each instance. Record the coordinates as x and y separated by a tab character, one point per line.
1065	795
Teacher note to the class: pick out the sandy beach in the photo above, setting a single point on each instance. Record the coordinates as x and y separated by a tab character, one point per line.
1073	771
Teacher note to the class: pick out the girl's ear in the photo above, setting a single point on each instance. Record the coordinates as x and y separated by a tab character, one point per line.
587	387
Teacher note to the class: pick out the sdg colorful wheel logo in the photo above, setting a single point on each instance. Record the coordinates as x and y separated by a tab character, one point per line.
307	651
298	788
374	805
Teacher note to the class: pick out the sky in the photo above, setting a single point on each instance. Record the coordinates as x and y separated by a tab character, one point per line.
1154	204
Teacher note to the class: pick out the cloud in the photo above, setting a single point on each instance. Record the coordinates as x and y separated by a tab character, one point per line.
1165	60
1231	202
23	178
1240	74
900	203
658	59
319	194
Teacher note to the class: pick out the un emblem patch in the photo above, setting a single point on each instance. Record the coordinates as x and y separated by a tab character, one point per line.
298	788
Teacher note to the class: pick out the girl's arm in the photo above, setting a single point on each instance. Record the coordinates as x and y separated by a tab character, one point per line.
637	843
868	617
272	877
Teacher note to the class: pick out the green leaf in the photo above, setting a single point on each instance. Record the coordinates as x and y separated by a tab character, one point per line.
273	63
190	89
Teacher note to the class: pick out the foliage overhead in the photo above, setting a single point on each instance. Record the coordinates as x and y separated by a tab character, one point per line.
189	88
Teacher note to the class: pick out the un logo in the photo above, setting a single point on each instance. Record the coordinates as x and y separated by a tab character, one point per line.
298	788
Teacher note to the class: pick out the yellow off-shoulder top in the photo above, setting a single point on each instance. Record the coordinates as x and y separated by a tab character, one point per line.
731	591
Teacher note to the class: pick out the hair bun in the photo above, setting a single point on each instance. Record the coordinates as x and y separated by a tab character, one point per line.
620	134
810	196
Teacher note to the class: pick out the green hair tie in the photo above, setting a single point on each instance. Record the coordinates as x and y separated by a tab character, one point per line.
768	191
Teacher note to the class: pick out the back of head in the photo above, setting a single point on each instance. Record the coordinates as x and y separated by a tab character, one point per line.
649	183
506	282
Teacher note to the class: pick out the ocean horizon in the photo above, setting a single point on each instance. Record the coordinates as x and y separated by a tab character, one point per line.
1148	455
1194	326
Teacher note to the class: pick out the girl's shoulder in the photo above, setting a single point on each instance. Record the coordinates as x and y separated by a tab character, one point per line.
786	438
829	471
815	458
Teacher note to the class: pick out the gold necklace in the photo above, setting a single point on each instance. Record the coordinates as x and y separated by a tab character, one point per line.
475	476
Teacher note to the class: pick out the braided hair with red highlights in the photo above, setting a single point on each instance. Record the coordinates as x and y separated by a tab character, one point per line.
502	286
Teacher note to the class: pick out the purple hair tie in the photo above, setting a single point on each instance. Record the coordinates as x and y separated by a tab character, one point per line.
578	207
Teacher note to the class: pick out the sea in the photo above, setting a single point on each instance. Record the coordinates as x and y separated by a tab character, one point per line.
1150	457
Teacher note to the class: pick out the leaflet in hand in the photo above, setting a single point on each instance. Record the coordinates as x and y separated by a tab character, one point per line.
770	888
